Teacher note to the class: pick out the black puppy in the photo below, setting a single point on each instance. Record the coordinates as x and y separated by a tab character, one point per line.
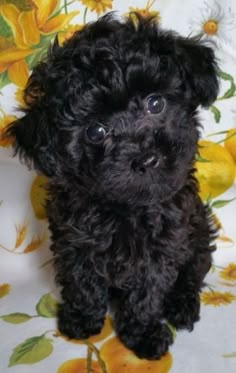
111	119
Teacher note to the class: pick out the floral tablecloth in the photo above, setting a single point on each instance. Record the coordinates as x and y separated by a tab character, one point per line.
29	340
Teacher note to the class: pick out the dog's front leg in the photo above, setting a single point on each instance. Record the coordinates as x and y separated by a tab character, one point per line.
139	318
84	297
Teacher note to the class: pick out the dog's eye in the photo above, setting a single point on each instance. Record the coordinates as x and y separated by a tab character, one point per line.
155	104
96	134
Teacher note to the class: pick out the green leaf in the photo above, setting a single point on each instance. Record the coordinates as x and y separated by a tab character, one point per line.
217	133
16	318
85	15
230	91
221	203
47	306
208	201
233	354
213	268
5	30
172	329
36	57
22	4
216	113
31	351
4	80
40	51
198	158
225	76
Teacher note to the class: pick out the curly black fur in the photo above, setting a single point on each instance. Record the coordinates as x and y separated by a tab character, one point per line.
127	225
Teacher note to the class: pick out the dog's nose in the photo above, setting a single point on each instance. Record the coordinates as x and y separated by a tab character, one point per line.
140	164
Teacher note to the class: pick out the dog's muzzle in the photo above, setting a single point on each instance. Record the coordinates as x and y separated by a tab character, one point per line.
142	163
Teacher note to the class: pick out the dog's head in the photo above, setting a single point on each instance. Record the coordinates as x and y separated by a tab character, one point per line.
114	109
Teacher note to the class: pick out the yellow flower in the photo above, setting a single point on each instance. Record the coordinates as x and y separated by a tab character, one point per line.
34	244
145	12
226	240
4	290
216	222
38	196
13	60
217	298
229	273
68	32
21	231
4	121
210	27
215	169
99	6
27	27
19	97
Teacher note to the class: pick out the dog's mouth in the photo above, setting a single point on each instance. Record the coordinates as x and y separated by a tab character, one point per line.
142	163
151	161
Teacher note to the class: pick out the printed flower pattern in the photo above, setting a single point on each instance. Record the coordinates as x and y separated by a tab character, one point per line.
98	6
68	32
215	22
146	12
229	272
4	290
217	298
5	120
27	27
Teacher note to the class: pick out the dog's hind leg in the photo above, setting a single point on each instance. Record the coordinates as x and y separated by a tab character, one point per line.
182	304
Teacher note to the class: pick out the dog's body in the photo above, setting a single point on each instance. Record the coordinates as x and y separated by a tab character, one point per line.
111	120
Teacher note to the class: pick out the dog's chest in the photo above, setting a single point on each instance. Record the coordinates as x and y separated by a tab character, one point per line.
137	243
135	232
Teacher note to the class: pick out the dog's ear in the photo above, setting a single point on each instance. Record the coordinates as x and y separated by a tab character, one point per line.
31	141
31	133
198	66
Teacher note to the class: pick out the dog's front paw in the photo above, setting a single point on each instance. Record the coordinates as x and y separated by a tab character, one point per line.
74	325
152	344
182	310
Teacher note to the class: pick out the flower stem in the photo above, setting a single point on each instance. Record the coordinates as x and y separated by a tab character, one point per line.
210	288
225	98
89	360
85	14
65	6
46	263
96	352
53	331
9	251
